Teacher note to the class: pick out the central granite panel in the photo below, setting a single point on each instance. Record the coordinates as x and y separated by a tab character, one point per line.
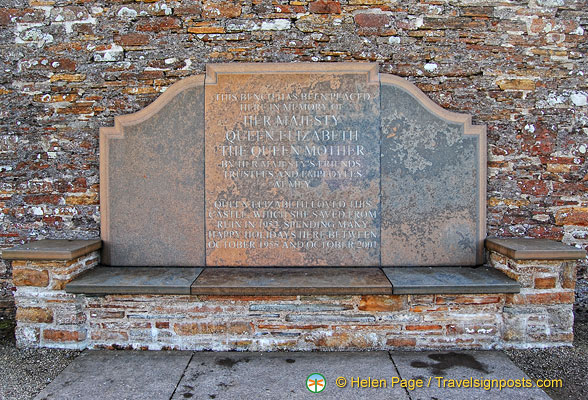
292	164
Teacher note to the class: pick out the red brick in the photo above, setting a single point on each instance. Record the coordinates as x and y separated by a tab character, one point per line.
534	187
325	7
545	283
162	325
423	327
30	277
42	199
369	20
132	39
57	335
159	24
401	342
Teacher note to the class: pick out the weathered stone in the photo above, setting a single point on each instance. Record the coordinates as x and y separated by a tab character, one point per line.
52	249
441	280
433	181
30	277
152	174
291	281
127	280
34	314
534	249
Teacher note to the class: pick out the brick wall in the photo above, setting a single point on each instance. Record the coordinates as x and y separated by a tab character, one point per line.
69	67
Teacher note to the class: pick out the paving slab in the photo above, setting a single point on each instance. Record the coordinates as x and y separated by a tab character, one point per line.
135	280
119	375
232	375
440	370
449	280
291	281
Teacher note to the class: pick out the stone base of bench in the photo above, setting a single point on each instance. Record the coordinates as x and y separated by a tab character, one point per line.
308	309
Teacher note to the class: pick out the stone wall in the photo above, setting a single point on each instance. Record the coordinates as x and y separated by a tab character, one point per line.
70	66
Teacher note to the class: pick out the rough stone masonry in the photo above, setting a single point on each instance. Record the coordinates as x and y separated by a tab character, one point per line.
69	67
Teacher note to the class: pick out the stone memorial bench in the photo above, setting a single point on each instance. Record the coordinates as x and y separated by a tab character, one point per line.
297	207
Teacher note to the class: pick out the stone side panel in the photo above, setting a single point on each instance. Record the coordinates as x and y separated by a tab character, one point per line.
46	316
433	182
152	182
542	313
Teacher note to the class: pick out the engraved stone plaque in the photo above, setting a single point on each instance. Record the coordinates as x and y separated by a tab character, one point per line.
303	164
292	165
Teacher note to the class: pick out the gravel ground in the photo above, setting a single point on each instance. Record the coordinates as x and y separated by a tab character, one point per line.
567	363
24	373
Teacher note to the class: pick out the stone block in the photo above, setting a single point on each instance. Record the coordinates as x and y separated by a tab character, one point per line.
30	277
34	315
61	335
291	281
52	249
534	249
382	303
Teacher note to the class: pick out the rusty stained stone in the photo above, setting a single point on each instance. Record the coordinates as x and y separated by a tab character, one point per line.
382	303
34	314
292	165
30	277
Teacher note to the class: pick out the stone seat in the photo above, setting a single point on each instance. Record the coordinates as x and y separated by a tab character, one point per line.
284	281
